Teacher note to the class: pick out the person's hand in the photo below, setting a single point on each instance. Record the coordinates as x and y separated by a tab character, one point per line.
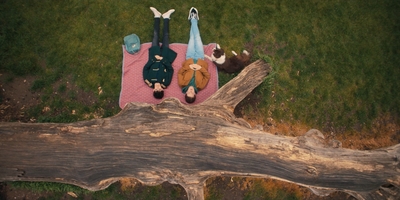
195	67
157	87
158	57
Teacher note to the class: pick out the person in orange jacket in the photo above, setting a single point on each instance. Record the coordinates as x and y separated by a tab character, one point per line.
194	75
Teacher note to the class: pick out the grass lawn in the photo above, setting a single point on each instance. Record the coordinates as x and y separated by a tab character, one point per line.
335	63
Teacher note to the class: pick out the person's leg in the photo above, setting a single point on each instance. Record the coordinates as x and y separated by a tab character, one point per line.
195	48
165	41
156	30
166	16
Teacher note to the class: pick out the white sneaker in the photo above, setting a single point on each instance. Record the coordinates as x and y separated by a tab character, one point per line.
193	14
157	14
190	13
167	15
196	13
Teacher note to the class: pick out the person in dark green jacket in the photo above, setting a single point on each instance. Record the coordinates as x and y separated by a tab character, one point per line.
158	71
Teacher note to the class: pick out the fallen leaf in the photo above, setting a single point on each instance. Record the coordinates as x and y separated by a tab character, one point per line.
72	194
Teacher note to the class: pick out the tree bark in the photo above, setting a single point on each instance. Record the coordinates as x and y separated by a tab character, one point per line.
187	144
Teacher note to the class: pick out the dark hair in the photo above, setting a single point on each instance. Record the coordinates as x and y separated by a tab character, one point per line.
158	94
190	99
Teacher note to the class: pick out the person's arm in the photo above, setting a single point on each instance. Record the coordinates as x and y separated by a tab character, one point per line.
168	75
181	73
167	58
206	75
146	71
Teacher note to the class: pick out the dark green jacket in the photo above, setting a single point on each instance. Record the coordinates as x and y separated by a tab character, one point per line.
159	71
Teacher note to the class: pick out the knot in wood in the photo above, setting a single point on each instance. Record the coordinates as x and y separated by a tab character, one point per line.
312	170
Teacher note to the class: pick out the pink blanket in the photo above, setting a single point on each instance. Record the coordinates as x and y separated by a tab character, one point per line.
134	89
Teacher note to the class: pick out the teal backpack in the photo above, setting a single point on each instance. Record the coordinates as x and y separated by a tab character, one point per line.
132	43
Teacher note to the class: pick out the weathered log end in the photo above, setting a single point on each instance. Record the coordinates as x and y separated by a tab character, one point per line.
229	95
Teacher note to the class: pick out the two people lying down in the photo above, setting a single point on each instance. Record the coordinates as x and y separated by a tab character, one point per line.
193	76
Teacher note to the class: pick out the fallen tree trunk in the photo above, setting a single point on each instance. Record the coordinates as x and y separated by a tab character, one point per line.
188	144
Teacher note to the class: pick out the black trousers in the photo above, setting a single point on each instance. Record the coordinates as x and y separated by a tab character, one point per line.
156	33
